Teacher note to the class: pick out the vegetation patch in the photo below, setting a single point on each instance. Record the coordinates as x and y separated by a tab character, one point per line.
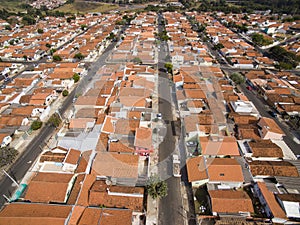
37	124
7	155
85	7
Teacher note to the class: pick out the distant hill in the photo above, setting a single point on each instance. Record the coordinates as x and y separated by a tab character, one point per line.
87	6
74	6
12	5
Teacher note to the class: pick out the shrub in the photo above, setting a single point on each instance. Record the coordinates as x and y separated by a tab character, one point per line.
37	124
65	93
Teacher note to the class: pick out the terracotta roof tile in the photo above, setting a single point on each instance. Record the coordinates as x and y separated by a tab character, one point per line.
275	208
48	187
104	216
99	195
116	165
224	169
143	138
227	146
230	201
196	169
273	168
34	214
265	148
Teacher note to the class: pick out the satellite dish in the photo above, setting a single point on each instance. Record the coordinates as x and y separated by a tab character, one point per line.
108	182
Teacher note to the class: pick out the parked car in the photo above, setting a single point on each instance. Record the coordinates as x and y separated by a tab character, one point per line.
191	143
272	113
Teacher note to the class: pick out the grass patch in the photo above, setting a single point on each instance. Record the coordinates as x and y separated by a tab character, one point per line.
86	7
201	195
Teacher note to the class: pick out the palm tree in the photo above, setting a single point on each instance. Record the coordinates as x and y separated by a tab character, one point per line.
156	188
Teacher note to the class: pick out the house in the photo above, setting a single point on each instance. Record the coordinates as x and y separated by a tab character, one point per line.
233	203
225	172
264	150
71	160
268	129
290	204
263	169
20	213
115	196
219	146
97	215
49	187
143	141
268	201
123	167
243	107
196	170
41	99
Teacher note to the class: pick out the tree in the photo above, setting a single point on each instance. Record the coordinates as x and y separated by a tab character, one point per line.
7	155
76	77
79	56
7	27
83	26
261	40
137	60
48	45
57	58
169	67
54	120
237	78
218	46
111	36
40	31
65	93
156	188
37	124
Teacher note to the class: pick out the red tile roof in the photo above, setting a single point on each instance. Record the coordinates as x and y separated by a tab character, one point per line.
230	201
34	214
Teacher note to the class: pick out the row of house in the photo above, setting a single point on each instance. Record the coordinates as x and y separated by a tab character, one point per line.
97	170
226	154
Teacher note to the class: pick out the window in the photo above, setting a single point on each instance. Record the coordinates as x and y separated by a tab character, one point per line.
222	174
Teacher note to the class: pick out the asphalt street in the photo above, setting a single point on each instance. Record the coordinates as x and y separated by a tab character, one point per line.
23	163
170	207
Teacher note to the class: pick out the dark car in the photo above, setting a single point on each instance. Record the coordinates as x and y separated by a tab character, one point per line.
272	113
162	70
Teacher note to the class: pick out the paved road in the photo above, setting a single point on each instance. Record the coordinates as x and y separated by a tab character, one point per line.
170	207
261	106
22	165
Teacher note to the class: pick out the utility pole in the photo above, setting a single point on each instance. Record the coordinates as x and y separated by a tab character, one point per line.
13	180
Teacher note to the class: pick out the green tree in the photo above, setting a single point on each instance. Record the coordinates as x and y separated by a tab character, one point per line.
79	56
156	188
65	93
111	36
261	40
169	67
48	45
218	46
76	77
7	155
40	31
54	120
237	78
57	58
37	124
7	27
83	26
137	60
